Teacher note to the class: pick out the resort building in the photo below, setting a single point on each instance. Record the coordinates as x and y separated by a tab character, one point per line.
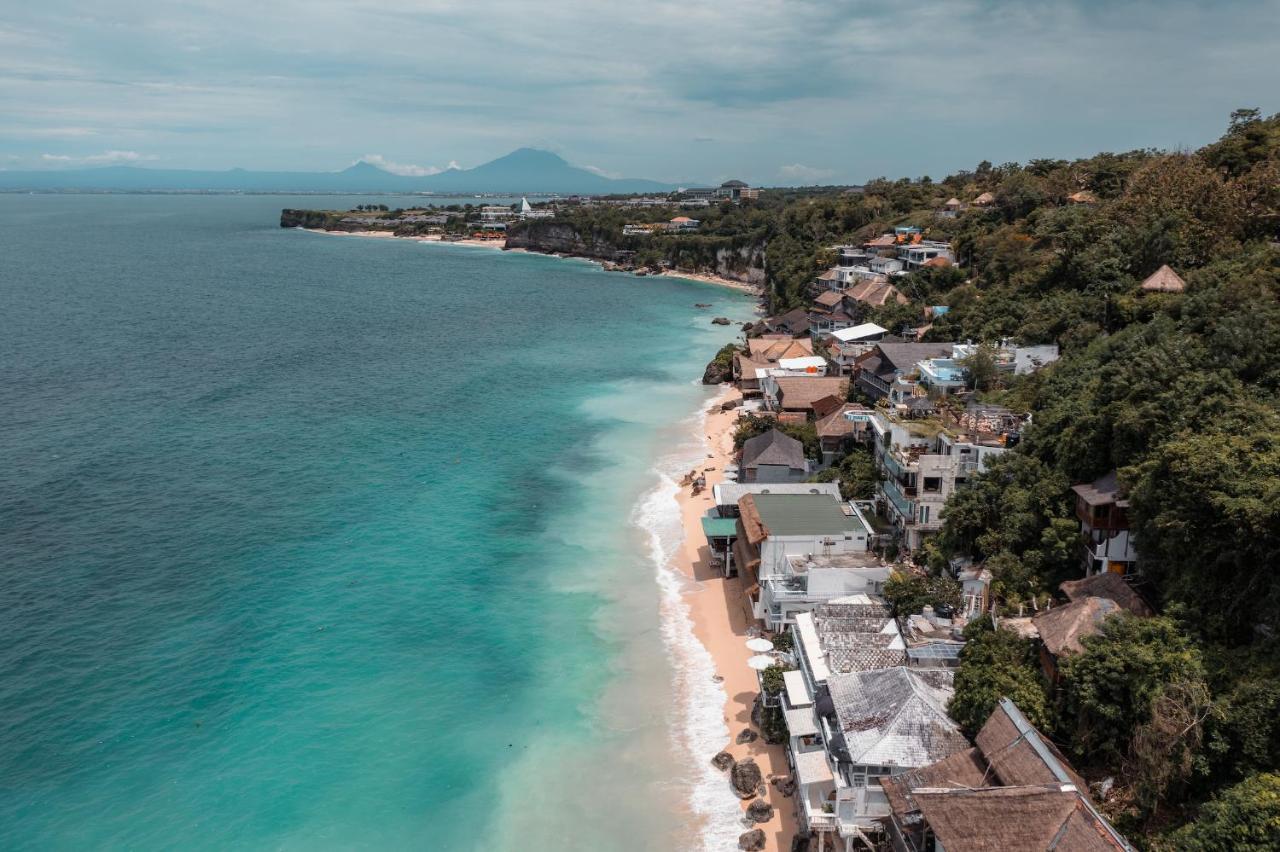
797	394
772	528
877	371
720	523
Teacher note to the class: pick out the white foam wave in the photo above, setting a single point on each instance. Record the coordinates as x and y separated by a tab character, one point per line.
699	728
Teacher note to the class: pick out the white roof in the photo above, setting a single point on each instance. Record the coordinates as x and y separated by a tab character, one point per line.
858	332
800	723
729	493
803	363
807	632
797	690
812	767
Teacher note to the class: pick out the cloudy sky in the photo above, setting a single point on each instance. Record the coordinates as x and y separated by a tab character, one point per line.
772	92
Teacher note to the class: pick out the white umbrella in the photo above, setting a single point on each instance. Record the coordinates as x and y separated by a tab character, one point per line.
760	645
760	662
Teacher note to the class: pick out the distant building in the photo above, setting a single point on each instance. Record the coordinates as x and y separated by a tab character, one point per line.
527	211
731	190
682	224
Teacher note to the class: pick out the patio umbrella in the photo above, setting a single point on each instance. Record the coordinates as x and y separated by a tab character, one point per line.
760	662
759	645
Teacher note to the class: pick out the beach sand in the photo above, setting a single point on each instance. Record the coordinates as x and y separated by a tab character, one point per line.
721	617
717	280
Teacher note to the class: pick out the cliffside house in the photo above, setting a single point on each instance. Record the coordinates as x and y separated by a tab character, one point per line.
831	312
846	345
799	393
877	371
793	323
986	199
637	230
1164	280
1092	601
774	527
496	213
764	354
837	429
1012	791
923	465
951	209
1103	511
773	457
683	224
916	256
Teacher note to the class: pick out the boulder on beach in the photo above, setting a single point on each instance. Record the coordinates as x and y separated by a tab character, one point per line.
759	811
746	735
723	761
745	778
751	841
786	785
717	373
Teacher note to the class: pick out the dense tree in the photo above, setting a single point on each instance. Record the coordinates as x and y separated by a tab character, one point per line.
997	664
1245	816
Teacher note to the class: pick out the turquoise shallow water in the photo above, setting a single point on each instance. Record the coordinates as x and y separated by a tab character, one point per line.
319	542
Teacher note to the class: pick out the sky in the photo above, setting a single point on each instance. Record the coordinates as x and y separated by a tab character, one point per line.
774	93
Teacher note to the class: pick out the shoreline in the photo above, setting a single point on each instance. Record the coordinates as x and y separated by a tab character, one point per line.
704	277
721	618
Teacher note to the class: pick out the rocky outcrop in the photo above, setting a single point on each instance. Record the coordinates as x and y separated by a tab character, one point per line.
746	735
716	374
785	784
723	761
745	778
720	321
759	811
752	841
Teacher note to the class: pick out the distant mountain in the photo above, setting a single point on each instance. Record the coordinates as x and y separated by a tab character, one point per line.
526	170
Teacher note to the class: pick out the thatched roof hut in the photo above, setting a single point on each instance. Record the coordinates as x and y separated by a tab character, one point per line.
1164	280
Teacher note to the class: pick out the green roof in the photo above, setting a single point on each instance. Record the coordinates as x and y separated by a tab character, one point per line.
720	527
805	514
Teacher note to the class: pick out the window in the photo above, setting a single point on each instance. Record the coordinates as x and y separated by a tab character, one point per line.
924	514
933	483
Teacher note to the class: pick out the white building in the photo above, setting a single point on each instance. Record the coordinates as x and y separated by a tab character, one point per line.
819	530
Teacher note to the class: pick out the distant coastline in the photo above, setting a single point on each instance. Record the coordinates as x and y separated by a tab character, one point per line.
500	245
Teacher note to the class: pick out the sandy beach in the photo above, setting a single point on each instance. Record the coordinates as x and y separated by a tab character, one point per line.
718	280
721	617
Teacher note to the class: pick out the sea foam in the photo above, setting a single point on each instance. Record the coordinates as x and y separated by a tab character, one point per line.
698	726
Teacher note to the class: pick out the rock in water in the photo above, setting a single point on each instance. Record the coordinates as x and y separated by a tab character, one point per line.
745	778
752	841
723	761
720	321
759	811
746	735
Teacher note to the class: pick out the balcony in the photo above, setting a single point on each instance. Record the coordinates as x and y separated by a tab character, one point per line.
905	508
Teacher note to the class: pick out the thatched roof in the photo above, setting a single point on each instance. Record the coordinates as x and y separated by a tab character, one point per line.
962	770
834	424
953	202
829	298
773	448
1164	280
1018	754
775	349
753	527
800	392
1084	196
1062	628
1107	585
984	199
1016	819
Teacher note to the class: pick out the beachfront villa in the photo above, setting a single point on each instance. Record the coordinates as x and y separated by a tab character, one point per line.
720	523
773	457
800	550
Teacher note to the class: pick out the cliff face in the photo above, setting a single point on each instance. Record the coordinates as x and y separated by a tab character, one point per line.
306	219
739	263
561	238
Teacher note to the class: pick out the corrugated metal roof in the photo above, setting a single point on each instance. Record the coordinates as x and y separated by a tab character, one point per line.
805	514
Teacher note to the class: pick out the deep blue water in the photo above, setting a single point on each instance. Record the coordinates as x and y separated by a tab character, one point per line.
294	546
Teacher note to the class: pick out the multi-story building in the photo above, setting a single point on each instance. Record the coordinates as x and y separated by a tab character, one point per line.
802	550
923	464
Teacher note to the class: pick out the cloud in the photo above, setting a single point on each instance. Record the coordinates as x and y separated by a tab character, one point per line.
106	158
799	171
603	173
405	169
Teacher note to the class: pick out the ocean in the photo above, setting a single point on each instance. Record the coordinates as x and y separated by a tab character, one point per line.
317	542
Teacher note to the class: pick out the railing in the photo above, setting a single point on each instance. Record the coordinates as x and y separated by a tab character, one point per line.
901	504
821	822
